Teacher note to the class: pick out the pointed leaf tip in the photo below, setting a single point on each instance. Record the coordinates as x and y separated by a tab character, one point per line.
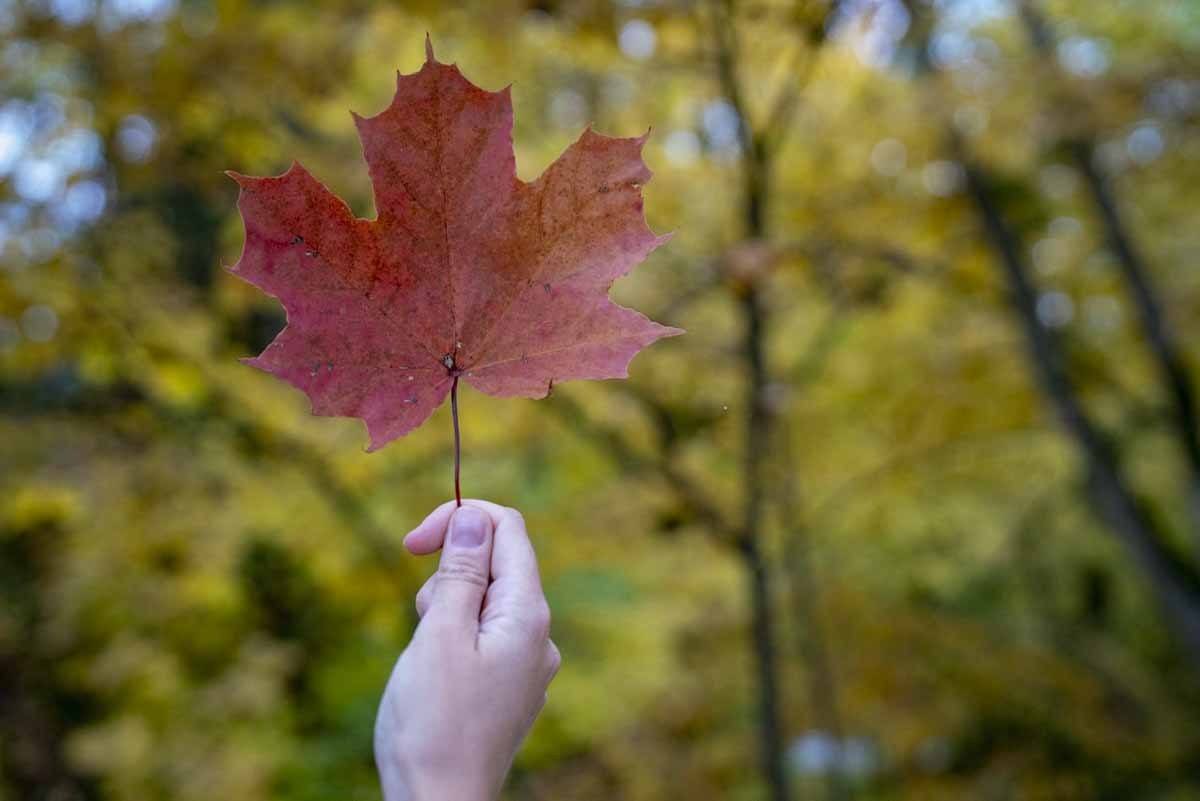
429	59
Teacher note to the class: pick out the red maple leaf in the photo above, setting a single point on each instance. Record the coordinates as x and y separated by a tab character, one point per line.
467	271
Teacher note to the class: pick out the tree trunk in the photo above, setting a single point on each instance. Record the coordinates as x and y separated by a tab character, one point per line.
1175	585
1168	358
822	684
757	419
770	729
1167	355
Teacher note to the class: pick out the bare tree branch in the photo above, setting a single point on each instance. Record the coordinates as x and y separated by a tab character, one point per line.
1176	587
1172	366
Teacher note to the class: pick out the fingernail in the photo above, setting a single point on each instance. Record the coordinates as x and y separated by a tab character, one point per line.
468	527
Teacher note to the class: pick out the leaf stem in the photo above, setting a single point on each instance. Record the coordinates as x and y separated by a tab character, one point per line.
457	439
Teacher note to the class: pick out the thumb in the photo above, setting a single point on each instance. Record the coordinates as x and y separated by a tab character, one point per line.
464	572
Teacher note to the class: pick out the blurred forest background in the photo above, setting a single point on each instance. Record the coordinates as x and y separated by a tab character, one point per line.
912	512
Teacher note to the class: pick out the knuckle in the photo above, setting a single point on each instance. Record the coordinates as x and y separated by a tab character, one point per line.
515	516
539	620
554	659
463	570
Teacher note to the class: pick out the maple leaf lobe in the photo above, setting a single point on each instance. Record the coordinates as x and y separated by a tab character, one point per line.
466	272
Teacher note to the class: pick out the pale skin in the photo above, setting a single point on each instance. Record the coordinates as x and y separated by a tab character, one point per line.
468	687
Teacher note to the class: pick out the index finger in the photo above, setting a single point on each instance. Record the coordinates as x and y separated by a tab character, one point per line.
516	584
513	559
516	589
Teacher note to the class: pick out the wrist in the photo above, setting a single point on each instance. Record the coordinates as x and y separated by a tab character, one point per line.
399	785
457	790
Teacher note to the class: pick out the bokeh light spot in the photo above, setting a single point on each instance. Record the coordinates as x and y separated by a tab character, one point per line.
637	39
39	323
889	157
136	137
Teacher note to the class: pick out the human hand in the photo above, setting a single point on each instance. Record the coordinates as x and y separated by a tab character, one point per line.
468	687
